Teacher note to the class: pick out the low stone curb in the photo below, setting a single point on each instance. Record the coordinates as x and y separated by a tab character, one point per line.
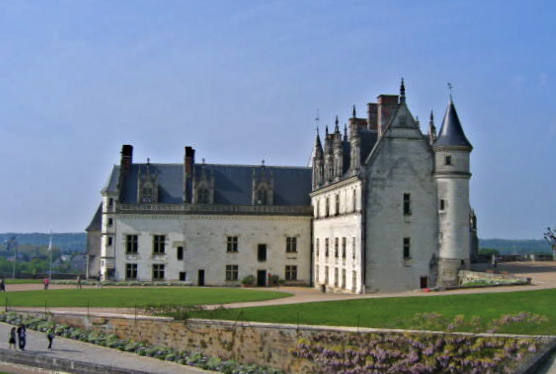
61	365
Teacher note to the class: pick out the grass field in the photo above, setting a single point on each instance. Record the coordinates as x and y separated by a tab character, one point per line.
401	312
134	297
23	281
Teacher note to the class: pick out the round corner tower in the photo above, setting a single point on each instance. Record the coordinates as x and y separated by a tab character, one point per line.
452	173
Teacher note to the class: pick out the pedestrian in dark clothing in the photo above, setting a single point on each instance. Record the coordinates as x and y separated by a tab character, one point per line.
11	339
50	336
22	336
2	284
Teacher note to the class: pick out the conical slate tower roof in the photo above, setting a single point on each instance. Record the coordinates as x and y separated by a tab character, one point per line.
451	133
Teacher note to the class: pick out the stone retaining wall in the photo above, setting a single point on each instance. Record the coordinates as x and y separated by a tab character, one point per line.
264	344
466	276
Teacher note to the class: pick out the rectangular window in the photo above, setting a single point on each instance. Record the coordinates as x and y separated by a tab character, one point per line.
343	278
406	204
109	240
336	246
179	253
442	204
158	272
291	272
231	244
344	243
232	272
353	248
317	247
326	247
335	277
159	244
110	222
130	271
354	202
326	275
131	243
317	274
291	244
327	207
183	276
406	248
448	160
261	252
337	212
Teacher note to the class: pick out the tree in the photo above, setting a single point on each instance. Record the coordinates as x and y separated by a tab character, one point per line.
550	236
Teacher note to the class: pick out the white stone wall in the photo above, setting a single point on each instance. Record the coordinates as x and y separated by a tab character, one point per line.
342	226
204	239
403	164
454	219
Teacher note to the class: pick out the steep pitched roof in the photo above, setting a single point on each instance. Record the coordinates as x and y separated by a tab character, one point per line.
232	183
451	133
96	222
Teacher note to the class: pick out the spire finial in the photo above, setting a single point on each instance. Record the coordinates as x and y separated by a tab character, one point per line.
317	118
431	120
345	131
337	127
402	91
450	89
354	113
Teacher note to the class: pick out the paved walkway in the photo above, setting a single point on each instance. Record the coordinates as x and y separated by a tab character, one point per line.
70	349
543	275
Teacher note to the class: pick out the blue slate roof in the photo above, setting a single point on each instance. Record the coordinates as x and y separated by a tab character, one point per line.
451	133
232	183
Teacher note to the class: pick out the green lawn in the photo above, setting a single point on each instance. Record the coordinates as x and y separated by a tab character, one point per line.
401	312
131	297
23	281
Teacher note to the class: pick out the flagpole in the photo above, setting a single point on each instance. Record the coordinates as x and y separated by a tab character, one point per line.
50	262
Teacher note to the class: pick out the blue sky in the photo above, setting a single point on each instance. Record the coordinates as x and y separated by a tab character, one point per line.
241	81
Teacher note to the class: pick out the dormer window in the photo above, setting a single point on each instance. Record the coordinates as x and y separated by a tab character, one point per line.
262	196
262	186
148	185
448	160
203	195
147	194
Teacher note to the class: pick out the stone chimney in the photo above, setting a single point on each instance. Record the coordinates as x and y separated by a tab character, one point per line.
372	113
188	174
125	166
386	106
127	158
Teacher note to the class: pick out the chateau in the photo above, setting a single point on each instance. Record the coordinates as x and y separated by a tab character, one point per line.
383	208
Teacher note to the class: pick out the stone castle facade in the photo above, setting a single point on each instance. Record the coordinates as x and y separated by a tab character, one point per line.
383	208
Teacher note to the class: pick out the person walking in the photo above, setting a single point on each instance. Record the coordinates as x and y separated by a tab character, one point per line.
79	281
2	284
50	335
11	339
46	283
22	336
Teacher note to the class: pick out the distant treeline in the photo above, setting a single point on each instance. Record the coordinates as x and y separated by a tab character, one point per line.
67	242
77	242
517	247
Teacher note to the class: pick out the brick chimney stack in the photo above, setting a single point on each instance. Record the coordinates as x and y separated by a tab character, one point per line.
372	112
188	174
387	104
127	158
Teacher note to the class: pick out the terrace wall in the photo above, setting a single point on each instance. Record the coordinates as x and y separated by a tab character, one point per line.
264	344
